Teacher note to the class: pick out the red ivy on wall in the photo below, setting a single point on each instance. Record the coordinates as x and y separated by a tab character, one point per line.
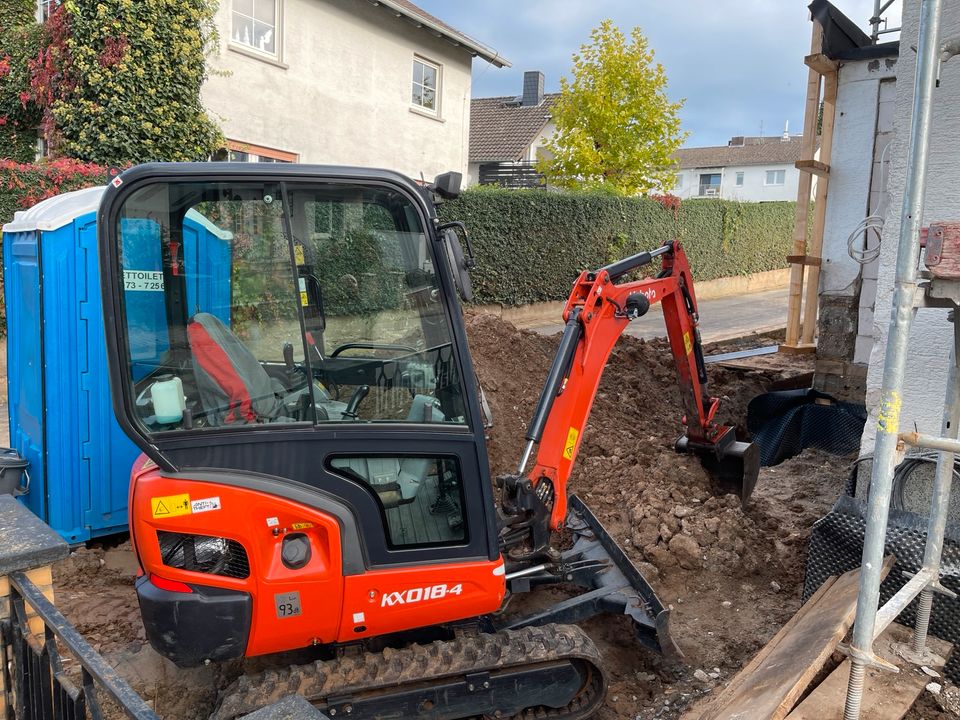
27	184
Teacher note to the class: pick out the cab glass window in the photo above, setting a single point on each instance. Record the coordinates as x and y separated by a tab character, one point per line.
420	497
252	303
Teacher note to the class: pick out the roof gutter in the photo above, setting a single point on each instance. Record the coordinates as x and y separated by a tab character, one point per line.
479	49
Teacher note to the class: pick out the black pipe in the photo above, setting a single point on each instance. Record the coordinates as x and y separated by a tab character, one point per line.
558	371
622	267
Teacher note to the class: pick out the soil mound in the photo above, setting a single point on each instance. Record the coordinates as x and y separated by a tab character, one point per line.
662	505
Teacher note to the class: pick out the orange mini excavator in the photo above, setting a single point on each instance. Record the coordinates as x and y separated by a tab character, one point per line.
287	349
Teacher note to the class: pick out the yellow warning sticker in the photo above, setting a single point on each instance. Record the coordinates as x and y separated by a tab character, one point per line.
571	443
687	343
298	254
170	506
302	525
304	300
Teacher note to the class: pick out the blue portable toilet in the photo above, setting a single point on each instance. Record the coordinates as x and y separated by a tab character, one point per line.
61	415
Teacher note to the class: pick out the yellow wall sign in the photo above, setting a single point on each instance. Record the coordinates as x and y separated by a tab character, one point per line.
170	506
571	443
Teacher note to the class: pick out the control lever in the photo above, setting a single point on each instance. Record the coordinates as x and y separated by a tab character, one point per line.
358	395
288	357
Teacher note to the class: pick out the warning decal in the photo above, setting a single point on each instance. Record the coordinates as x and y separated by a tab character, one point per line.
571	444
205	505
170	506
687	343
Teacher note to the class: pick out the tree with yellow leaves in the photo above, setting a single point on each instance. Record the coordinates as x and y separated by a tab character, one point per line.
616	129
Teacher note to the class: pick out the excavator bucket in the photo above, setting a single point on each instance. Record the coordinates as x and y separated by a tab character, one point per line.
733	465
612	584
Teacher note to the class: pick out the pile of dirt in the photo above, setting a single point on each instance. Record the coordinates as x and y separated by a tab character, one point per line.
731	576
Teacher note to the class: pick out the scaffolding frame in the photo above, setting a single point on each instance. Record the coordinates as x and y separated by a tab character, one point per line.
872	620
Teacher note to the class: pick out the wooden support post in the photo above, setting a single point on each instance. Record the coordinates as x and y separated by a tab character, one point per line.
803	192
811	301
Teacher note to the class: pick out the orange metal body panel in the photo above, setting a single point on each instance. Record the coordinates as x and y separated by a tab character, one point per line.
334	608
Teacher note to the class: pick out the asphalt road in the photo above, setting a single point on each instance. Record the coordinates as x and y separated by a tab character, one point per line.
720	319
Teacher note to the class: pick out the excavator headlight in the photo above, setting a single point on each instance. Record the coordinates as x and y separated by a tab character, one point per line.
203	553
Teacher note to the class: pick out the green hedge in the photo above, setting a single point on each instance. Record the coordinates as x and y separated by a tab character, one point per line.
530	244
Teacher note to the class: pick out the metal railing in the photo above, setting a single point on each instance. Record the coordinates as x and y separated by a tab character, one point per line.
38	686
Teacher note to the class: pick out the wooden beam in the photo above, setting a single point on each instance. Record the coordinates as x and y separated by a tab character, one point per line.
821	64
887	696
713	705
770	689
798	349
812	298
804	260
813	166
804	186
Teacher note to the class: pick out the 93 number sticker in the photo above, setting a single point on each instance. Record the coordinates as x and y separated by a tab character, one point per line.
287	604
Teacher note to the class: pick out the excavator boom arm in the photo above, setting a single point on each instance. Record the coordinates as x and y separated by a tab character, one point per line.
596	314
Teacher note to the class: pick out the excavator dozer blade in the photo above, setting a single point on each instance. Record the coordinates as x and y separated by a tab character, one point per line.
612	584
733	465
634	597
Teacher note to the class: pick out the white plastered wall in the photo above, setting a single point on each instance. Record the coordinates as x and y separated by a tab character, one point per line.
930	337
340	92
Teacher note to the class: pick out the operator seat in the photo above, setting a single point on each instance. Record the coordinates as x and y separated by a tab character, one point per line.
234	388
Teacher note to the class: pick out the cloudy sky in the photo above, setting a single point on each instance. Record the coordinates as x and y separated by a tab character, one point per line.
737	63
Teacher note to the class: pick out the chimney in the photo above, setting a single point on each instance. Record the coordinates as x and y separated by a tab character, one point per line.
786	132
532	88
736	141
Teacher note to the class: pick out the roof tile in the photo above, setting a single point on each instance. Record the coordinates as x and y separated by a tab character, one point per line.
501	129
754	151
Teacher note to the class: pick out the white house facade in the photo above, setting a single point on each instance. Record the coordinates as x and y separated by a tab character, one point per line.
380	84
748	169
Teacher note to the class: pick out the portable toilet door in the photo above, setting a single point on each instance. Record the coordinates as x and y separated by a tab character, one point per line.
61	414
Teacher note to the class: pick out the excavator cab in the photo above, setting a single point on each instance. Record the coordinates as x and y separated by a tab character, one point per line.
287	348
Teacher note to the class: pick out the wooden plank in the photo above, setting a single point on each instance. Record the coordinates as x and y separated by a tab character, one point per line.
821	64
715	704
812	298
804	260
770	688
886	695
804	185
798	349
820	169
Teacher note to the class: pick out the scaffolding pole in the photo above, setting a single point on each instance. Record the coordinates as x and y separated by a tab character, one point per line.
888	416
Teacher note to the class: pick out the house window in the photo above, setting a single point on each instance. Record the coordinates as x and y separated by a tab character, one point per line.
426	86
679	180
45	8
739	179
775	177
254	24
236	151
710	184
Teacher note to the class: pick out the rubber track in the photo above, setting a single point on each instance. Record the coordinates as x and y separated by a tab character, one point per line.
417	664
